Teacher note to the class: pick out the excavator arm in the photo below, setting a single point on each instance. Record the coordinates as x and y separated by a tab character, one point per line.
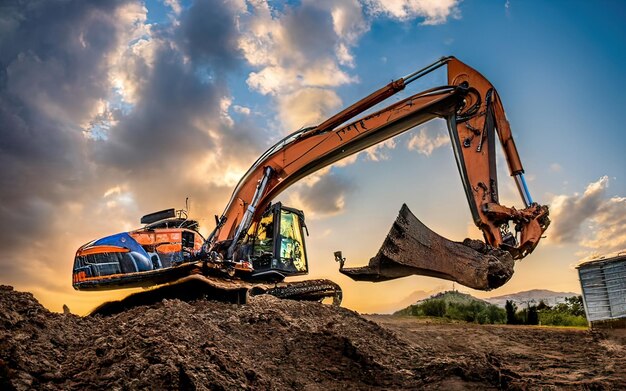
473	130
474	114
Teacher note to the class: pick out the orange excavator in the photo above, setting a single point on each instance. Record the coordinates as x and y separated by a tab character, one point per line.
256	243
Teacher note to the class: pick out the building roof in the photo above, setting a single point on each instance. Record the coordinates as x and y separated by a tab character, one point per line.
610	257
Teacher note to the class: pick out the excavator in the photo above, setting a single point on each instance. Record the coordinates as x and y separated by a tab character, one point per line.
257	242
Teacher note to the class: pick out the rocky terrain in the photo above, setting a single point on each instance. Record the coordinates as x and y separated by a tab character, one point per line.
272	344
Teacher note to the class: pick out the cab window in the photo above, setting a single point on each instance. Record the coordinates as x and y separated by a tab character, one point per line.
265	236
292	254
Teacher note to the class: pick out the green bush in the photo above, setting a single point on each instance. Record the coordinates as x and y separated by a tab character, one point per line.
494	314
570	313
556	318
434	307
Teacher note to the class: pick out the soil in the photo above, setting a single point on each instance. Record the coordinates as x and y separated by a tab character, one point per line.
273	344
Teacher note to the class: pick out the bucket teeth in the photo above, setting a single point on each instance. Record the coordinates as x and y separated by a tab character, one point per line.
412	248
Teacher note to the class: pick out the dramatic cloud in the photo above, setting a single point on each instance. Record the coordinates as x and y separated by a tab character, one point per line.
593	219
309	45
54	58
55	66
425	141
323	194
178	138
609	226
299	53
307	107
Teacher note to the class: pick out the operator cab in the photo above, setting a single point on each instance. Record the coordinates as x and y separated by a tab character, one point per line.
275	245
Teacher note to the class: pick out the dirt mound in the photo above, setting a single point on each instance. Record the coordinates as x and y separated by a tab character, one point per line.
268	344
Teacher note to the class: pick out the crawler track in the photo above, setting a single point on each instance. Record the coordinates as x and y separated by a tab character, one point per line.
234	291
311	290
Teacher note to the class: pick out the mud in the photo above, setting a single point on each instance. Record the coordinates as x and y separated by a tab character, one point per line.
273	344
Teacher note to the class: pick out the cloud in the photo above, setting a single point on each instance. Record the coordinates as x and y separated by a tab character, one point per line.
433	12
55	59
300	35
208	35
425	142
179	139
306	107
174	5
592	219
242	110
609	226
380	151
556	167
299	53
322	195
278	80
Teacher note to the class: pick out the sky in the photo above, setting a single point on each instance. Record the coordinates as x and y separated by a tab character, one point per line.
113	109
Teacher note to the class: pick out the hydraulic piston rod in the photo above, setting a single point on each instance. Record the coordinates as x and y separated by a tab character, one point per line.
520	181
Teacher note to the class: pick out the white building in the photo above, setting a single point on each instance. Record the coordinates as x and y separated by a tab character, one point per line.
603	283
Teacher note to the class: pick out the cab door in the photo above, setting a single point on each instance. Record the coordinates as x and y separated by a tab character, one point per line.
291	253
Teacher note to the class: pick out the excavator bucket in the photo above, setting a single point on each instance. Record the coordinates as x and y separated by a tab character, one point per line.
412	248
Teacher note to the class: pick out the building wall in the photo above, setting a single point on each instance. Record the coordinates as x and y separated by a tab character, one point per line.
603	284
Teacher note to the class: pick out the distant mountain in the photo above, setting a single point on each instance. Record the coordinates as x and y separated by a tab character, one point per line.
532	297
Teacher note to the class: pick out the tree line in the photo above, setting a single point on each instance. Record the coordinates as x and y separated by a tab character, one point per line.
462	307
569	313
